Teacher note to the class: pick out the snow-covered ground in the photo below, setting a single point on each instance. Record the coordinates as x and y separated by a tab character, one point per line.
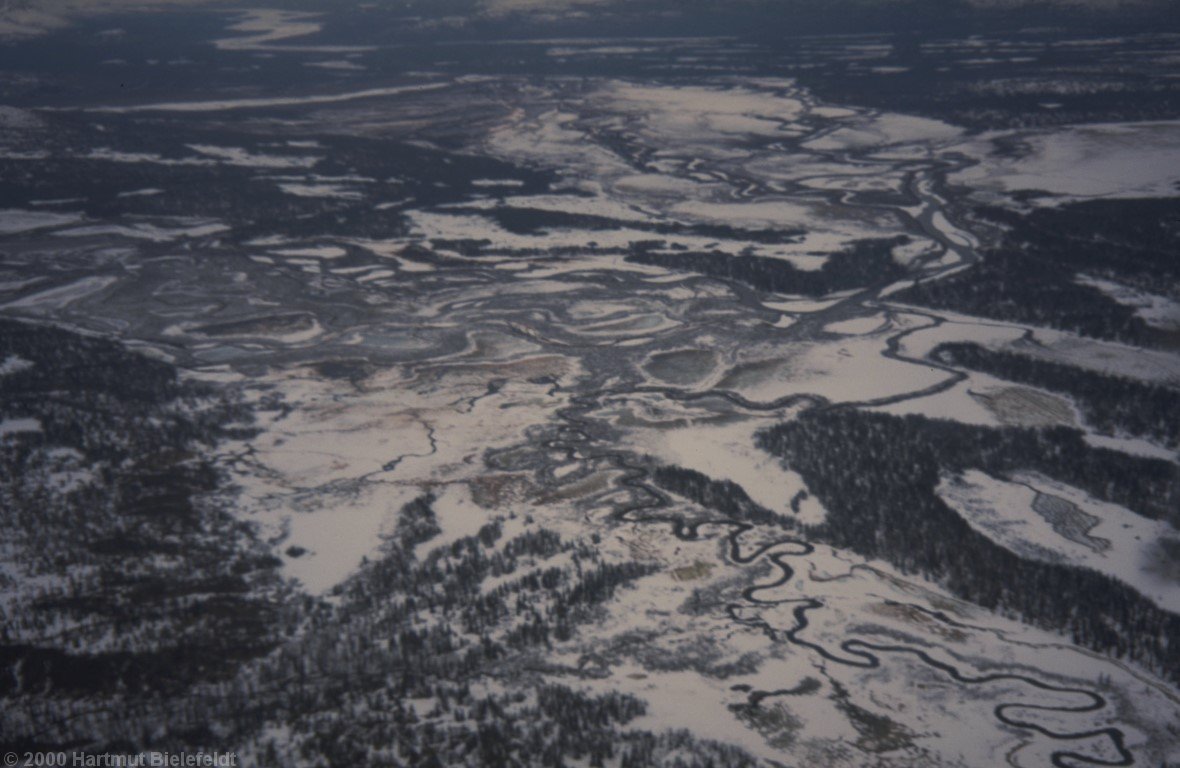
1046	520
404	362
1090	161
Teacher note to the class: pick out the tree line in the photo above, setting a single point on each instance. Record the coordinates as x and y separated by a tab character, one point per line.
877	476
1030	276
1111	404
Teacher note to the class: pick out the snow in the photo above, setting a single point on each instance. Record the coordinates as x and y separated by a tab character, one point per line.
309	487
952	233
337	539
882	130
331	475
848	370
698	111
1157	311
550	139
858	326
14	364
879	182
1110	161
497	183
13	221
1118	543
377	274
917	248
57	201
391	249
458	517
336	65
958	328
579	204
685	700
117	156
270	25
62	295
505	7
315	252
17	426
310	329
789	214
449	225
728	452
854	600
145	231
765	214
1133	446
801	305
148	192
336	191
831	112
223	105
241	157
599	50
1102	356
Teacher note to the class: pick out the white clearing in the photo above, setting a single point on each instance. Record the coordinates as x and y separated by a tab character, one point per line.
729	452
458	517
1110	161
1117	542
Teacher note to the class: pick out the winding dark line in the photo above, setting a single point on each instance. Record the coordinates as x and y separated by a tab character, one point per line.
861	653
863	656
392	464
650	505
